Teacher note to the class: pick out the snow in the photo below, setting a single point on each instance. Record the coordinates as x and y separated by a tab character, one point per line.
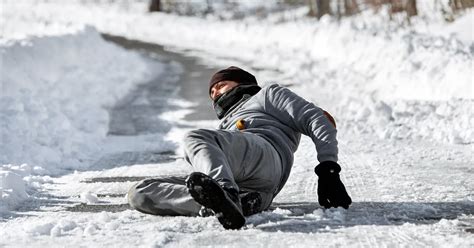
88	197
53	97
402	97
364	60
13	190
462	28
53	107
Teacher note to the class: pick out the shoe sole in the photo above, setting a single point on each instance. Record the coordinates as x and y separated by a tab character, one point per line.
207	192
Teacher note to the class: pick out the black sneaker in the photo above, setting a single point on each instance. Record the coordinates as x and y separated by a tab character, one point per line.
251	202
224	202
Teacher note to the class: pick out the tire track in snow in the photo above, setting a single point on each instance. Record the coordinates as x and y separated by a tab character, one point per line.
362	185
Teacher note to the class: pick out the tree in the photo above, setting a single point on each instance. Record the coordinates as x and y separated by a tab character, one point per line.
461	4
318	8
350	7
410	8
323	8
154	6
312	8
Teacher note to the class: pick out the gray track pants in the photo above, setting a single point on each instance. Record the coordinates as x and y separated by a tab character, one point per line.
236	159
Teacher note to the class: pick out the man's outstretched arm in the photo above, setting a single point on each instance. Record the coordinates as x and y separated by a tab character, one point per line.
310	120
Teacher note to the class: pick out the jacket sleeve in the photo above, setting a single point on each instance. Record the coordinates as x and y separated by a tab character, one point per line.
304	117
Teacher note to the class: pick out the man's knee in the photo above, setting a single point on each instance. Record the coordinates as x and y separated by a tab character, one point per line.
160	197
197	139
135	198
141	201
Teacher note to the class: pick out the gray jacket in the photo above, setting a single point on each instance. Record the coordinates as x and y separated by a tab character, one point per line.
280	116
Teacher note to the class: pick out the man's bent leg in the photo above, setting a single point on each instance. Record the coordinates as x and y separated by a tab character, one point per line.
262	171
163	196
212	153
236	158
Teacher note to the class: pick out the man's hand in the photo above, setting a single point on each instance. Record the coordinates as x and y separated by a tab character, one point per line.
331	191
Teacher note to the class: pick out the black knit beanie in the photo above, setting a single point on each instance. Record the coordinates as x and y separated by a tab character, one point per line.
235	74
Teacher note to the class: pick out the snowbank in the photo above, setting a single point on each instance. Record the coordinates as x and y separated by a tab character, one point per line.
52	106
54	94
429	60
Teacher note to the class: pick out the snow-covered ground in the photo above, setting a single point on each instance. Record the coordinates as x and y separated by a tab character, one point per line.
55	95
402	97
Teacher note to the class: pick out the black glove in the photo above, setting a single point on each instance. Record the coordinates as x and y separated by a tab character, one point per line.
331	191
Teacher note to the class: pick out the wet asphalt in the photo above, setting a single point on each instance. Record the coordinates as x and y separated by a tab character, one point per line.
191	84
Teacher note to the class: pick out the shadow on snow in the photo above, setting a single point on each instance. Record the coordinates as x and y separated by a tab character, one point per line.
304	217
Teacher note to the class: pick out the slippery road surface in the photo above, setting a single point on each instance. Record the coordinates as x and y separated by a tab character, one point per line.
405	193
192	84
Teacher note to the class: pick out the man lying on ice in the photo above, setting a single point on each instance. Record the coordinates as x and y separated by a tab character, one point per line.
241	166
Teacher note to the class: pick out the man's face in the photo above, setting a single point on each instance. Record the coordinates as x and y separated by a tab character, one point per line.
221	88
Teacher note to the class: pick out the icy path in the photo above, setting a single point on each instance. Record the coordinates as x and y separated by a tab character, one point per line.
393	206
413	194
